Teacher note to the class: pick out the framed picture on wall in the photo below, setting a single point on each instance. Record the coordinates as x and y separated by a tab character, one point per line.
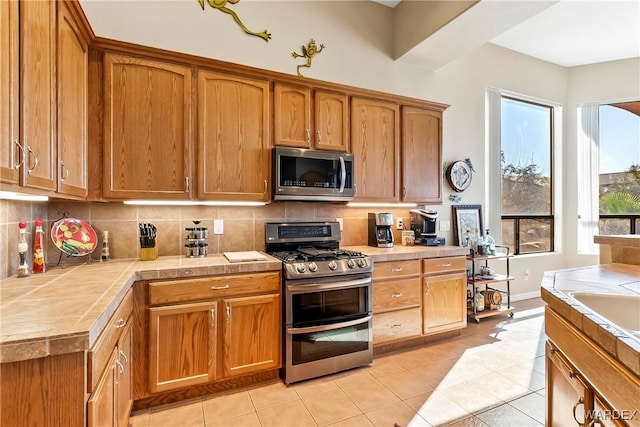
467	218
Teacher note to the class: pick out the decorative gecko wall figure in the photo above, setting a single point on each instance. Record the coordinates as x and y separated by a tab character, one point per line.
307	52
221	6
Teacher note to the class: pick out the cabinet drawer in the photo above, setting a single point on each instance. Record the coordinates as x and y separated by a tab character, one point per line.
208	288
391	269
396	294
443	265
100	353
396	325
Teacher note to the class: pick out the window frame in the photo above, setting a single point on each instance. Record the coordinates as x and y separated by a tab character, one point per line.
517	218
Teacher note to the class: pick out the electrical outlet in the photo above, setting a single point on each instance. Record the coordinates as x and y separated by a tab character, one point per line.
339	221
445	225
526	275
399	224
218	226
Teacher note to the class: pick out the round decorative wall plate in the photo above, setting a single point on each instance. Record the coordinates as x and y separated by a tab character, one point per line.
458	175
74	236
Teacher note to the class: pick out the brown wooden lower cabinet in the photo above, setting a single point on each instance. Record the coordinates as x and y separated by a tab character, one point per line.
101	408
200	342
568	395
415	298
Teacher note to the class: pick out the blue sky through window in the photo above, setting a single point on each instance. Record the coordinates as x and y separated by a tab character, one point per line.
619	139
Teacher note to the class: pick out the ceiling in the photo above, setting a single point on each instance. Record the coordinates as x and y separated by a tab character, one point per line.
564	32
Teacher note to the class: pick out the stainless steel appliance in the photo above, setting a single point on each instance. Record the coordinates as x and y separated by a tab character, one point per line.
381	229
312	175
423	224
328	299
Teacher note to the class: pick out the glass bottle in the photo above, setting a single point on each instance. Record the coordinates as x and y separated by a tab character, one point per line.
104	256
490	242
23	248
478	301
38	249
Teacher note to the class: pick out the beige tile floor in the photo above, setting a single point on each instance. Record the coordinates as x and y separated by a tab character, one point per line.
490	375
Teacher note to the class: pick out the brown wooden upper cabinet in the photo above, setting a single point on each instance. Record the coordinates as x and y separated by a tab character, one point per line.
233	137
147	129
375	144
309	118
27	71
421	151
73	66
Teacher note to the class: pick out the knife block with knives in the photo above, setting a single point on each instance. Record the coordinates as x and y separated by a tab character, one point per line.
148	242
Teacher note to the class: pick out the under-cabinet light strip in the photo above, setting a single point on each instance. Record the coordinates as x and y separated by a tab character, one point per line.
380	205
11	195
189	203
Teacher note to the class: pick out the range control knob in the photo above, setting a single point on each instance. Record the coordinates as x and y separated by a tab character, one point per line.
351	263
313	267
332	265
361	262
301	268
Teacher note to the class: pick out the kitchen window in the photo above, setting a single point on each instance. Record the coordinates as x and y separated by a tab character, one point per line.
608	168
521	132
619	168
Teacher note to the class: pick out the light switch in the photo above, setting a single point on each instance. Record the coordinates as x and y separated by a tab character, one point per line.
445	225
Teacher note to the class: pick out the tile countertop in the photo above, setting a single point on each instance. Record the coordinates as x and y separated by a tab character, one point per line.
620	279
399	253
65	309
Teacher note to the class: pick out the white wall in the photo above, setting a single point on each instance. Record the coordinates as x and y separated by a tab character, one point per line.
357	35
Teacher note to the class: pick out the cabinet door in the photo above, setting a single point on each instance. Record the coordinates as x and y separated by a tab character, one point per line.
332	121
292	116
9	101
444	302
73	65
147	129
101	405
375	144
568	397
37	92
233	143
182	345
252	334
124	376
421	155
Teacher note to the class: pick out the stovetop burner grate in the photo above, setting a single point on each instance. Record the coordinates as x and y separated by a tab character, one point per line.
308	253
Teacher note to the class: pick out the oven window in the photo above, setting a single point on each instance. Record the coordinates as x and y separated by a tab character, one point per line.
326	344
325	307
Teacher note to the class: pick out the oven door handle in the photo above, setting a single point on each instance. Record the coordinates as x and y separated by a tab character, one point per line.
313	287
312	329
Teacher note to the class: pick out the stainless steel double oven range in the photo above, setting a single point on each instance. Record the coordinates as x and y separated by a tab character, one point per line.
327	304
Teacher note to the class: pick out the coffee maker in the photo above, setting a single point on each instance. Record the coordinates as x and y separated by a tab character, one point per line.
380	229
423	224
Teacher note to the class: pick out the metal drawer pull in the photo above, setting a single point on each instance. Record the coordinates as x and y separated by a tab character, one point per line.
395	270
126	359
575	407
397	325
396	295
213	317
228	313
218	288
35	160
63	168
308	136
120	324
187	186
21	156
120	367
446	265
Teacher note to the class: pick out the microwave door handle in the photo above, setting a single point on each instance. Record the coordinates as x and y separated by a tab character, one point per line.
343	174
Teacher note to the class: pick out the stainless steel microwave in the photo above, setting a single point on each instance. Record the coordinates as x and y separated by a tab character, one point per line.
312	175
